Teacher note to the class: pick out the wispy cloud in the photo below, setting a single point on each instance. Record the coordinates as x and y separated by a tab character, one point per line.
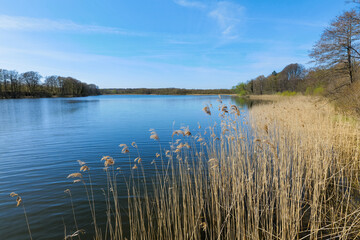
228	15
191	4
18	23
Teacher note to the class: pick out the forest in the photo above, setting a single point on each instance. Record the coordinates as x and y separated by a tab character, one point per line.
29	84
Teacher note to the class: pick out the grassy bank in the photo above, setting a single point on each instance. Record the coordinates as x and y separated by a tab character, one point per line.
287	170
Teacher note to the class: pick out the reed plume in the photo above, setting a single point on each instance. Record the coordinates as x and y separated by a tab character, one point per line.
206	109
125	148
74	175
153	134
108	161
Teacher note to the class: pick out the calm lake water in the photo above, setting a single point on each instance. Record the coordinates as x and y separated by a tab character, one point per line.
41	139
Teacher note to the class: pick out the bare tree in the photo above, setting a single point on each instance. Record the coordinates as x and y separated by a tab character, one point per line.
6	78
258	84
32	81
15	84
52	83
1	83
290	76
338	44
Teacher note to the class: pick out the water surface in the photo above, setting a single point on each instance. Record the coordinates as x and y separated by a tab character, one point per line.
41	139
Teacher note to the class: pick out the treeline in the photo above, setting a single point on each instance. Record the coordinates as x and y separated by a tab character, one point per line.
29	84
164	91
291	78
336	70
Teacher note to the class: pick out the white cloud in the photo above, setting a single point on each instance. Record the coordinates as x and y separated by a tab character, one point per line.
17	23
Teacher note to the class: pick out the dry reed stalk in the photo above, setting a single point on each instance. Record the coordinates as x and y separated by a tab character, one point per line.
18	202
74	216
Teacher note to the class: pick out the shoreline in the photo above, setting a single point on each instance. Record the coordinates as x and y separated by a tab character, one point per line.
128	94
194	94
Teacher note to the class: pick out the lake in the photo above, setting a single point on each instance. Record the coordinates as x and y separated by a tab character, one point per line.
41	139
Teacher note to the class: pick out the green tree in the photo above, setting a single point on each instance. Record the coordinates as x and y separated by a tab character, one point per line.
240	89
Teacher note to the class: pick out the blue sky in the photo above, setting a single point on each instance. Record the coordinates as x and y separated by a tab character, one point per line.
161	43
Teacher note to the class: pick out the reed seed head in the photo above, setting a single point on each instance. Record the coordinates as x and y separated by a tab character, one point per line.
74	175
124	149
224	109
154	136
81	162
13	194
75	234
178	132
206	109
187	131
105	158
18	201
235	110
187	146
108	161
84	168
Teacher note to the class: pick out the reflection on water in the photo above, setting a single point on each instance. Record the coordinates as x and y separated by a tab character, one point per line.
82	101
41	139
247	102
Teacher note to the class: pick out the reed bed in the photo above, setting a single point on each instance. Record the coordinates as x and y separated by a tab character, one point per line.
285	170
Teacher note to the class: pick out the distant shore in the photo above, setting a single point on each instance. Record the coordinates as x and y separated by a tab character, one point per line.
163	91
190	94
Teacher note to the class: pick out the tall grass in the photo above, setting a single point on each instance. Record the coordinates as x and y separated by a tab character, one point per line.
293	175
287	170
